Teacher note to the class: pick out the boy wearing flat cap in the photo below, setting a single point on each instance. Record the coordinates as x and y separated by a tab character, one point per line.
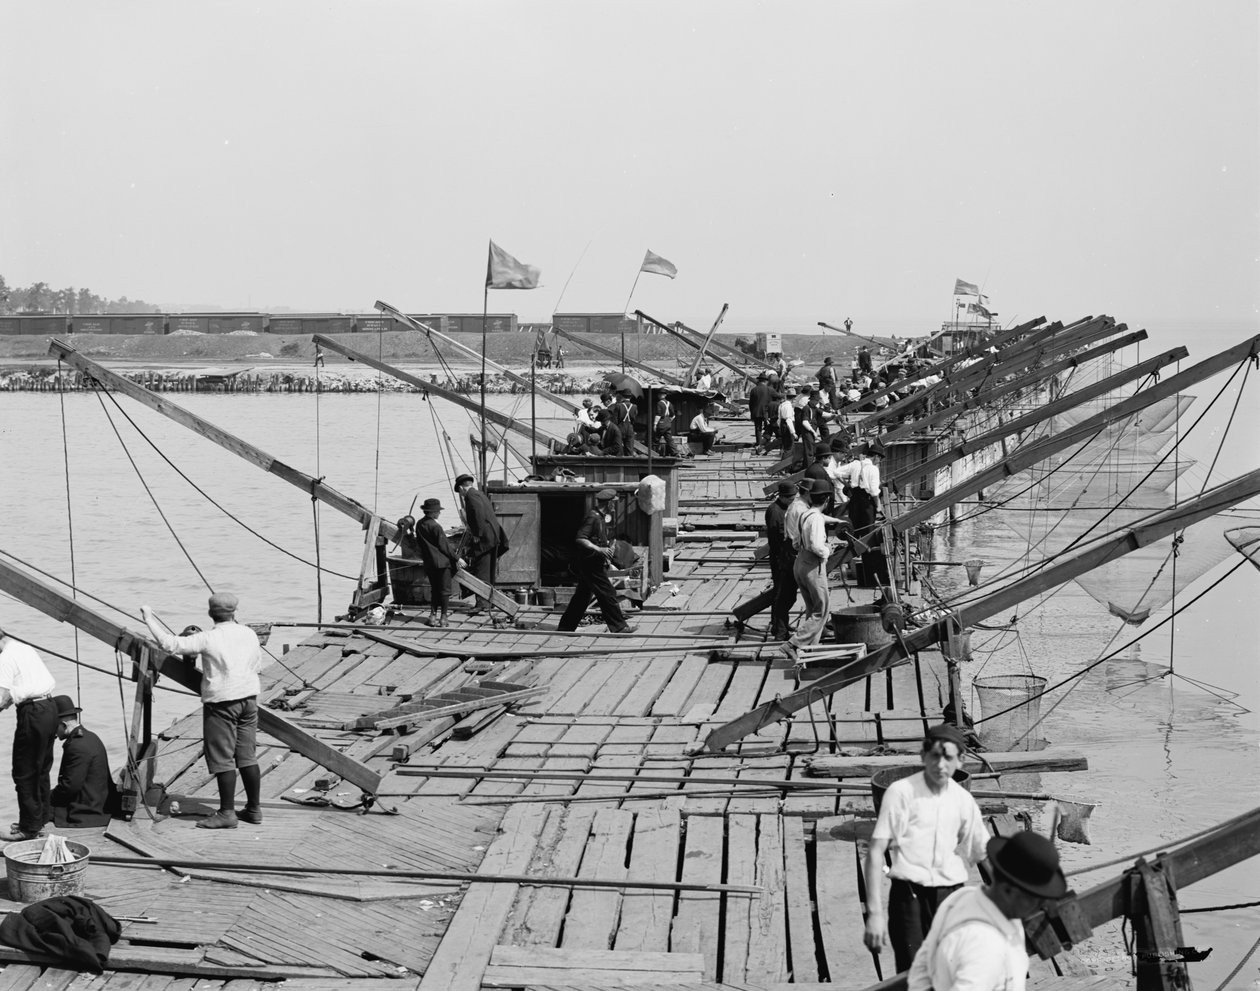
230	658
440	560
977	937
933	828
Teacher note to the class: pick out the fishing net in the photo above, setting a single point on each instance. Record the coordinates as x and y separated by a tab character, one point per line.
1010	708
1246	541
1114	480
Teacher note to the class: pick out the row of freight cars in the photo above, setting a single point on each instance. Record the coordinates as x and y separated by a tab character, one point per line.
316	323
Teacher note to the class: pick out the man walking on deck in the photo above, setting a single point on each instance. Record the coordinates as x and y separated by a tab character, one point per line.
26	684
230	658
977	937
483	536
924	820
811	568
776	595
593	549
761	403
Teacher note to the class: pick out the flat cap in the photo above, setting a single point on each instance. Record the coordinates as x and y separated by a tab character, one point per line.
223	603
461	479
603	495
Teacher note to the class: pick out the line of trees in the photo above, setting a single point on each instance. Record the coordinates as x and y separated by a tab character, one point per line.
40	297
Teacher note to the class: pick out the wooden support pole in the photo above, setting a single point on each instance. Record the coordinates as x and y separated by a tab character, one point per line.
1160	962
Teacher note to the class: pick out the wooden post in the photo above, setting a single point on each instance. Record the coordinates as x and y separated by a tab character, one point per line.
1160	963
656	550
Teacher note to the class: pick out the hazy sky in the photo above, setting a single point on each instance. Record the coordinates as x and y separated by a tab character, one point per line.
801	161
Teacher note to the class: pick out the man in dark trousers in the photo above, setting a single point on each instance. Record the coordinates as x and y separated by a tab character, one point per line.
762	402
827	381
483	536
777	597
440	560
592	551
85	794
26	684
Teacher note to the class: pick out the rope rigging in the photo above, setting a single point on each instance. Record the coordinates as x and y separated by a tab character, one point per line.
65	450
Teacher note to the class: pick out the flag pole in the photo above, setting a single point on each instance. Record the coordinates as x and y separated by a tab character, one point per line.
485	309
533	410
626	309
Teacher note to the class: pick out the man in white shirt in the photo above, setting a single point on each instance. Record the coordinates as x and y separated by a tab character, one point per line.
864	490
810	568
925	820
26	684
230	659
787	422
586	423
977	937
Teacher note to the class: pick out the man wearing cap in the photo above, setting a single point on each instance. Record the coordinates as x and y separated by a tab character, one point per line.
230	658
592	552
977	937
26	684
827	379
776	595
761	401
483	535
810	568
924	820
440	560
85	794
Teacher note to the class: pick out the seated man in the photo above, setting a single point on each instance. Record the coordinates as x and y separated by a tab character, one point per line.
85	794
703	430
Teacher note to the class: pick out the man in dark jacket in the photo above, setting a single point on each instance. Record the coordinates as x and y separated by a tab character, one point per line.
440	560
777	596
85	794
483	537
762	403
593	548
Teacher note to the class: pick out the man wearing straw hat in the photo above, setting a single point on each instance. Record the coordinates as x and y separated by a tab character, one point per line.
977	936
924	820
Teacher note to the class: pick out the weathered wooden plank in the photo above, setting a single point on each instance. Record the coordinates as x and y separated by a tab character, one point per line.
646	915
464	952
695	926
801	943
591	922
839	912
767	912
741	868
1051	759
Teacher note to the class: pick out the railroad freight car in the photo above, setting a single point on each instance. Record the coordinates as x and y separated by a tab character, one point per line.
114	323
311	323
54	325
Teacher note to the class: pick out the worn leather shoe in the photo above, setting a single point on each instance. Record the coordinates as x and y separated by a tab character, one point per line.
16	835
220	820
251	816
627	628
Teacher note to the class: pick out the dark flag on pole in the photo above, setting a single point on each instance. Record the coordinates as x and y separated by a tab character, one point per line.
505	272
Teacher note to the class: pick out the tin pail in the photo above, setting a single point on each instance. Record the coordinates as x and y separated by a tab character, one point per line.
860	624
880	780
545	597
31	881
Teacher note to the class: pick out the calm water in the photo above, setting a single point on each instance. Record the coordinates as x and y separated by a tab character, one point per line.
1167	757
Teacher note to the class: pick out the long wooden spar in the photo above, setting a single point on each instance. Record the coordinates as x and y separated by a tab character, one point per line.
254	455
1008	341
1011	361
495	417
610	353
1034	453
422	328
997	392
1091	556
142	649
1013	426
686	339
705	342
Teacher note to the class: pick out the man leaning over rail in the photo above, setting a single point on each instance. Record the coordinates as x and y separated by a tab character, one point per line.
924	819
230	659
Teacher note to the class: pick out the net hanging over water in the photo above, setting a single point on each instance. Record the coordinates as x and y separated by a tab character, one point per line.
1246	541
1111	481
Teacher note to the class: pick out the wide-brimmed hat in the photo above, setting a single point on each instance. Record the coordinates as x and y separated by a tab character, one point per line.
1029	861
787	488
838	445
805	485
461	479
66	707
223	604
791	392
431	505
763	377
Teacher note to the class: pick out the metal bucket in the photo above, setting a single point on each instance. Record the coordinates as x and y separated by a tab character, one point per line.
860	624
522	596
30	881
544	597
880	780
